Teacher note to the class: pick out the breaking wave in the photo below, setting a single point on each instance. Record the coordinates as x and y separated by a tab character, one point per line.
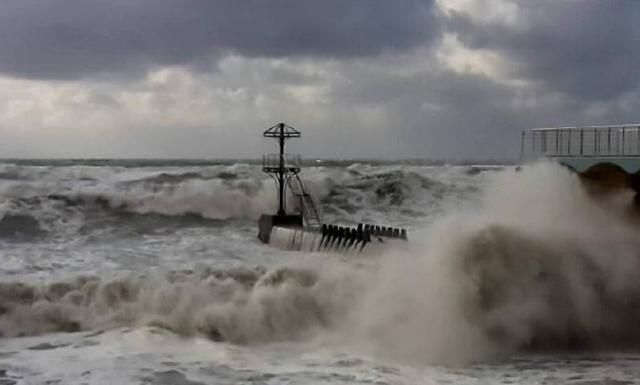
72	197
537	265
237	305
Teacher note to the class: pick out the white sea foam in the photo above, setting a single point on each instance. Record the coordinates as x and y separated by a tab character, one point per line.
537	265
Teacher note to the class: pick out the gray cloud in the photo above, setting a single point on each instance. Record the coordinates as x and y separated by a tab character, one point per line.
359	77
52	39
587	49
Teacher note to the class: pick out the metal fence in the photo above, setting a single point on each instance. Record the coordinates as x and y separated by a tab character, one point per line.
593	141
272	161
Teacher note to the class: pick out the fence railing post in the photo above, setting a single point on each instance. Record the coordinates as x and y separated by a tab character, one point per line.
600	141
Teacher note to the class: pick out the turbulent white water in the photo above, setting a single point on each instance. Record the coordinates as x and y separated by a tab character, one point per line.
153	275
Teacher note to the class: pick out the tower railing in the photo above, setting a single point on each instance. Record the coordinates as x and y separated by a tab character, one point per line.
591	141
308	208
271	162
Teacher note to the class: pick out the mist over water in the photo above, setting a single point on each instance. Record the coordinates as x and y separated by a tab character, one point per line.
499	262
538	265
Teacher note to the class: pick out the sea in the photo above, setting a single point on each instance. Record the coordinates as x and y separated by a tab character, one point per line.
150	272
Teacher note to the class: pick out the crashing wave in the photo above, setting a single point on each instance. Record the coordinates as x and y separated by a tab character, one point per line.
62	197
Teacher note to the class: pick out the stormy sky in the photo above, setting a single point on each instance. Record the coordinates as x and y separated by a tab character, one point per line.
445	79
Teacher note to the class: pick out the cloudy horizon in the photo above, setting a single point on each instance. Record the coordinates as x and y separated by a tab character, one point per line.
445	79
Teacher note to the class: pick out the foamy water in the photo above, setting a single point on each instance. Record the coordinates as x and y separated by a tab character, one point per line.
119	273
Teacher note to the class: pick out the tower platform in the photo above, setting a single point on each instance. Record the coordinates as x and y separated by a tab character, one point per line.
304	229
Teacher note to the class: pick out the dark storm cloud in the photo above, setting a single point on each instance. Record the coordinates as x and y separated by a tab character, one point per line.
447	115
68	39
588	49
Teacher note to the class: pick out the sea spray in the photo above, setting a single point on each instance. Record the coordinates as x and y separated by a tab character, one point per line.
537	265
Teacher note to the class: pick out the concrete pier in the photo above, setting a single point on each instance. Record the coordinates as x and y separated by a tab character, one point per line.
608	157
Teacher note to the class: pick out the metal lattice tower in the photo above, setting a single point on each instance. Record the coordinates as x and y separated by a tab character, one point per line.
281	166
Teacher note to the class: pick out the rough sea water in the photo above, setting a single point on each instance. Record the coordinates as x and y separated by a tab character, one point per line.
117	272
